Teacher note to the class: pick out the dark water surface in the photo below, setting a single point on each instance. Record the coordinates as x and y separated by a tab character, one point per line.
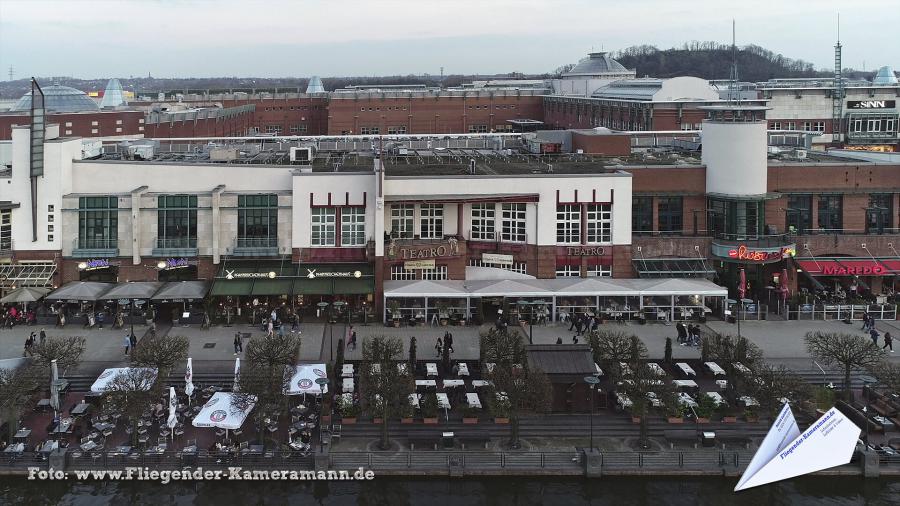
459	492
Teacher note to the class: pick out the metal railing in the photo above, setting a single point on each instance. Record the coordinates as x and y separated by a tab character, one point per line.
844	231
76	459
758	240
256	242
176	242
95	243
842	311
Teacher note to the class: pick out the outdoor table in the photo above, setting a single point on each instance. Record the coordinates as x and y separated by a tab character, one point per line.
714	368
90	445
463	369
414	400
102	426
656	369
22	434
748	401
473	400
722	384
15	448
65	426
451	383
348	385
347	371
623	400
62	386
684	383
121	450
741	368
686	369
686	400
431	369
48	446
426	383
481	383
154	449
79	409
717	397
443	400
189	449
43	404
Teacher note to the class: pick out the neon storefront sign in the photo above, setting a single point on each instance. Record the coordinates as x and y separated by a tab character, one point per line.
745	253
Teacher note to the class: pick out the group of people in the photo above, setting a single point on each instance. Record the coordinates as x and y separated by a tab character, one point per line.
582	323
688	335
869	325
273	324
447	343
13	317
32	340
130	342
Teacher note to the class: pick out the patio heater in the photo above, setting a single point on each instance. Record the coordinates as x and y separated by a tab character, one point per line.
592	382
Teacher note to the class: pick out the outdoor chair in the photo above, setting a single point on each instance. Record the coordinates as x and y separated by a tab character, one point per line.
336	431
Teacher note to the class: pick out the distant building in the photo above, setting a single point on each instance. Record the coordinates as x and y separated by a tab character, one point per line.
593	72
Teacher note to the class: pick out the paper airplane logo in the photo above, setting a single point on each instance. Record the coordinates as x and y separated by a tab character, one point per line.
786	452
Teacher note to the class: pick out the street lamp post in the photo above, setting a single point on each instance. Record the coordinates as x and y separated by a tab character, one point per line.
743	302
867	380
592	381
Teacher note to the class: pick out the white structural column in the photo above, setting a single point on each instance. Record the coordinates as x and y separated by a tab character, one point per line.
379	208
216	222
136	195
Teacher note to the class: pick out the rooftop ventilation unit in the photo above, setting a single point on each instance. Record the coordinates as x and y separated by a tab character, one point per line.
301	155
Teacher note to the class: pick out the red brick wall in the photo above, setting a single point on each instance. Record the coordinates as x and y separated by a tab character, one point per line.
310	112
610	145
81	123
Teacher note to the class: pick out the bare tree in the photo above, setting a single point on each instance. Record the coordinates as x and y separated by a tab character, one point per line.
638	382
772	385
384	387
845	350
517	388
17	389
162	353
67	352
888	374
612	347
131	392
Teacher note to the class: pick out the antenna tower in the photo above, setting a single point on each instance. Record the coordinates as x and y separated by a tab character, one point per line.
837	94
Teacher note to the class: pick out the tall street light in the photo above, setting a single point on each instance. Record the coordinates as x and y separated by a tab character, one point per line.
592	382
867	381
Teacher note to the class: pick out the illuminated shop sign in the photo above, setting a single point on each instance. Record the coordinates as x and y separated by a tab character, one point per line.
744	253
835	269
173	263
94	264
871	104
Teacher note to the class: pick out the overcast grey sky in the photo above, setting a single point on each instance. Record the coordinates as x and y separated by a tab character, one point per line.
275	38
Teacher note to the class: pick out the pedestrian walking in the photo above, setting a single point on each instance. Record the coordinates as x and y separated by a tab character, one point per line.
865	320
888	342
352	342
438	347
295	325
43	336
448	340
28	344
558	340
270	329
874	335
237	342
575	339
133	339
127	343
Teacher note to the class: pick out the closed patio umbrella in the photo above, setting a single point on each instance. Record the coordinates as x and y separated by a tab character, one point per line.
173	420
189	381
237	375
54	387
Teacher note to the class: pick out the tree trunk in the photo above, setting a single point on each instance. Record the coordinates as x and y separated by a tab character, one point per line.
514	431
385	438
134	433
847	384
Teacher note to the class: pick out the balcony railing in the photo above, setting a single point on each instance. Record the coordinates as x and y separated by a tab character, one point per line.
256	246
176	242
758	240
87	247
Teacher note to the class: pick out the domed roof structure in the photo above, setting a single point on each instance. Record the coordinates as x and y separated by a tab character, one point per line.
315	85
885	75
59	98
114	95
596	64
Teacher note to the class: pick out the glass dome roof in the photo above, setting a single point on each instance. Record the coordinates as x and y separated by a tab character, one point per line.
114	95
60	99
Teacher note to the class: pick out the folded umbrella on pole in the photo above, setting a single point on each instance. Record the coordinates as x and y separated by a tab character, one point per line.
189	380
237	375
54	387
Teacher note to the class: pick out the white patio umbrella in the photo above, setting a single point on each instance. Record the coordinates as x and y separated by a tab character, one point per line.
173	420
235	387
54	388
189	381
220	412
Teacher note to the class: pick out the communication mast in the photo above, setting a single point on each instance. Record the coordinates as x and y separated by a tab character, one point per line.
837	94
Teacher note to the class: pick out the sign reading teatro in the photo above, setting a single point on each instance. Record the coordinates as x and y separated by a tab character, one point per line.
585	251
414	252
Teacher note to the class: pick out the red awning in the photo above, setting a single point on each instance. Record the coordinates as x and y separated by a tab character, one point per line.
850	267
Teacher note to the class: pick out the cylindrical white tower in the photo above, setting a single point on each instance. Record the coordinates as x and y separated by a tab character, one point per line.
734	152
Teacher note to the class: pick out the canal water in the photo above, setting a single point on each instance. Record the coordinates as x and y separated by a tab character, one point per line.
460	492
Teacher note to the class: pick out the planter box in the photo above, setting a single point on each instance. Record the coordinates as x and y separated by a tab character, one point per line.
675	419
396	323
752	419
501	420
443	323
430	421
377	420
348	421
470	421
326	419
729	419
702	420
635	419
406	420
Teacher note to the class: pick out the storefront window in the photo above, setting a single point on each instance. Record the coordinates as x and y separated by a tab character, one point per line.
5	230
513	223
402	220
798	215
439	272
568	224
323	226
735	219
565	271
604	271
97	222
830	212
257	220
671	214
399	273
599	223
353	226
641	215
177	221
432	221
880	212
483	216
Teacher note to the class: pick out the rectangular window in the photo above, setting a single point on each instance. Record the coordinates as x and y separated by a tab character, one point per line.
353	226
6	230
830	212
68	124
94	131
890	125
298	129
439	272
397	130
478	129
874	125
323	226
398	273
520	267
258	221
776	125
599	223
791	125
177	221
671	214
95	123
512	227
568	224
807	126
599	271
97	222
798	214
483	216
641	215
568	271
273	129
856	125
118	122
369	130
402	220
68	132
431	221
819	126
880	212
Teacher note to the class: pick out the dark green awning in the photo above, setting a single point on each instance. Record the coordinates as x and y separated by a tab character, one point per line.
306	286
231	287
354	286
272	287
